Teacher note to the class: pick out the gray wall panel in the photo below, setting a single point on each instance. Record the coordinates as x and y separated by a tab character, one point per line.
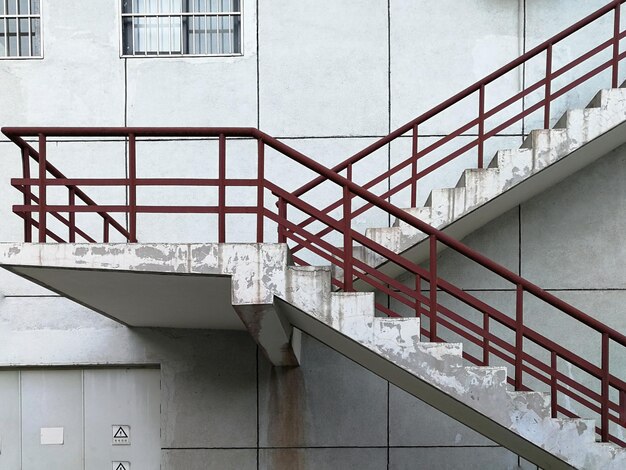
10	429
122	397
52	398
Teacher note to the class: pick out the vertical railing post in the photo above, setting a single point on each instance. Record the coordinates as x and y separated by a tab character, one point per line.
519	336
554	404
349	172
105	231
347	240
28	216
260	199
72	214
485	339
604	395
481	125
42	188
414	168
433	288
546	115
221	223
616	32
418	294
132	188
282	215
622	407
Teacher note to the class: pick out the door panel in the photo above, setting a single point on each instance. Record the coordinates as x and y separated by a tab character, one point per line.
10	438
129	397
52	399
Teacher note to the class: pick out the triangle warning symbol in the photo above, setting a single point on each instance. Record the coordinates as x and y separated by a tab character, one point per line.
120	434
121	467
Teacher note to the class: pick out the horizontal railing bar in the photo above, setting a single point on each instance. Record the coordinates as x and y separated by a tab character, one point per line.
142	209
12	132
72	182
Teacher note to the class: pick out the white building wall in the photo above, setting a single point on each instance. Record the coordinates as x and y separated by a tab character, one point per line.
328	78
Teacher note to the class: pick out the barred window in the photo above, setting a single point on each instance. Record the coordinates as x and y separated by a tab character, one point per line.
181	27
20	28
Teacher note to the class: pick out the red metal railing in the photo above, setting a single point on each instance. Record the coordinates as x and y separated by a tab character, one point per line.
454	142
534	359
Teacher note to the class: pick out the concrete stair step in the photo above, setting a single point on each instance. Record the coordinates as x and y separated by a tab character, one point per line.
423	213
584	125
530	405
445	204
548	146
513	161
481	185
300	279
609	98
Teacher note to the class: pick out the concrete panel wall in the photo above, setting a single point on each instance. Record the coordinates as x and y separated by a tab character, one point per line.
346	70
330	77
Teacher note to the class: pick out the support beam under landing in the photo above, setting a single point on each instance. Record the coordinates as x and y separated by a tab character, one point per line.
204	286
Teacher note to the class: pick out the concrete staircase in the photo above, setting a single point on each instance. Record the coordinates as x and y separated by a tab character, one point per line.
435	373
513	176
276	300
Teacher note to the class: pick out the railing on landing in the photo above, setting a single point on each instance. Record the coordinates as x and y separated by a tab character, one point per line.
605	56
531	354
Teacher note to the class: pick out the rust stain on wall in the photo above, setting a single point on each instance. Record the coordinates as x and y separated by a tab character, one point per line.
287	416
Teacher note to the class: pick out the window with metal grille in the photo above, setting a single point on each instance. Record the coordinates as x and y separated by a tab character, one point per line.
20	29
181	27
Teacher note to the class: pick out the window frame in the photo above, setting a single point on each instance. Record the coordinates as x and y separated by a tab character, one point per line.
122	15
30	16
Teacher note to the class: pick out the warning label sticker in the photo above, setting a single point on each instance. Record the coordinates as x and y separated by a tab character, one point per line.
121	435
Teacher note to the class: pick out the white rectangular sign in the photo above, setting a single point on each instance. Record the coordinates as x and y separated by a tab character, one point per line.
51	436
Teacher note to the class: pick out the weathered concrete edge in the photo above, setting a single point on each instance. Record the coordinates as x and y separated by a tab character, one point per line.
417	387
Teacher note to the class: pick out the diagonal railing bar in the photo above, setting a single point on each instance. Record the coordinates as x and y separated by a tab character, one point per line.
429	303
25	186
482	115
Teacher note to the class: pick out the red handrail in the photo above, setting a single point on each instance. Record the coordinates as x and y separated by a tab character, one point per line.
483	135
428	304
